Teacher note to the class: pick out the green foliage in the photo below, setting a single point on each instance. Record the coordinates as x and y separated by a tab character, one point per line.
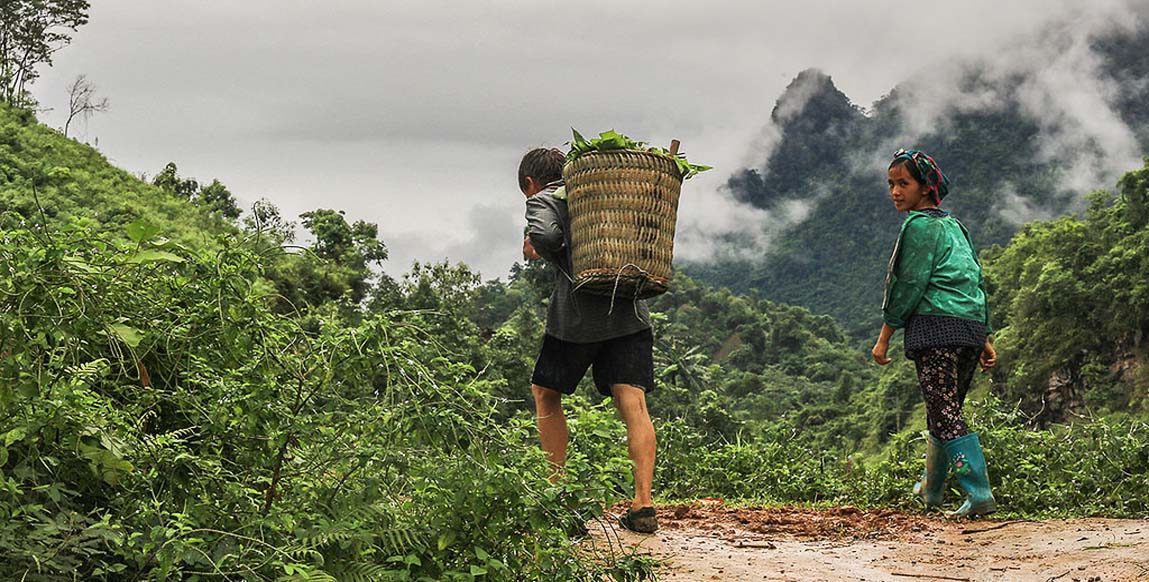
337	265
214	197
168	180
1072	299
185	399
1096	468
49	179
218	199
612	140
1099	467
1134	188
163	421
729	363
830	164
31	31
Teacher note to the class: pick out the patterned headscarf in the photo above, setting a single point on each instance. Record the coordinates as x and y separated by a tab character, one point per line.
929	171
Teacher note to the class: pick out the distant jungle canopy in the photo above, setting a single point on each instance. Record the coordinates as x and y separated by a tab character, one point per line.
833	261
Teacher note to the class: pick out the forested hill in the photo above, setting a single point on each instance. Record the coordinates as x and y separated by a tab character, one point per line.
48	177
184	397
1008	166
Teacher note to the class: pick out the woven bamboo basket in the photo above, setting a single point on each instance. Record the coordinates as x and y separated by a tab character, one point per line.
623	208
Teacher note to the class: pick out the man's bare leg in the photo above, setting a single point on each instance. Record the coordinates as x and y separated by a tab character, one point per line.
552	423
640	441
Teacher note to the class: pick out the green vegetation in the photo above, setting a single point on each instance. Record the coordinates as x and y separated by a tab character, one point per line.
50	179
831	161
612	140
1074	295
1096	468
31	31
162	421
170	411
187	395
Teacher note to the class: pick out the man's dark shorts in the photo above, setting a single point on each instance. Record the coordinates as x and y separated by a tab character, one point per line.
622	360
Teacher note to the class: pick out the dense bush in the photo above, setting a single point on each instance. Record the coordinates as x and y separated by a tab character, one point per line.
162	421
1073	298
213	407
1090	468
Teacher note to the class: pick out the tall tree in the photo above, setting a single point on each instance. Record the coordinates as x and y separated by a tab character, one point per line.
83	102
169	179
31	31
338	262
1134	188
217	198
355	245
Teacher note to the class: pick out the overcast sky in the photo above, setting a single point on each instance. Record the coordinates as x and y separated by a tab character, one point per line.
414	114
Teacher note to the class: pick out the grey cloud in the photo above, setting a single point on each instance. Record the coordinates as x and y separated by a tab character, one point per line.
1055	76
493	239
489	240
412	114
730	229
1018	210
1050	71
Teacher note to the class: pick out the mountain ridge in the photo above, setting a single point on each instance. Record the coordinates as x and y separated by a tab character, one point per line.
1006	164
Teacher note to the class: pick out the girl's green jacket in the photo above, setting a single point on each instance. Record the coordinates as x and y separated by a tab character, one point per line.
934	270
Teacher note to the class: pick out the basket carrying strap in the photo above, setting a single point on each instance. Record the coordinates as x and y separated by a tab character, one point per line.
637	288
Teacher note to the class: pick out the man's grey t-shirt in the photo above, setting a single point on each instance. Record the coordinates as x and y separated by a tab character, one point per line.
573	316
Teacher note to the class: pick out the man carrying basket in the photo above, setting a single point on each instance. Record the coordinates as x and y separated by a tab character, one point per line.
585	330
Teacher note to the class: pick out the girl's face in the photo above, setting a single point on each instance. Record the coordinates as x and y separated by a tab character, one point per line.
906	192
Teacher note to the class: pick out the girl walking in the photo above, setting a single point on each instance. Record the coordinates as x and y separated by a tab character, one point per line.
936	292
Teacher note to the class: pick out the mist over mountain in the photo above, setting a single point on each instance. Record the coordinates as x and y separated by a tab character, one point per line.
1024	135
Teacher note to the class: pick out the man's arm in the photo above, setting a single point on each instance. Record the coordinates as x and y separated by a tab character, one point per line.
544	230
529	250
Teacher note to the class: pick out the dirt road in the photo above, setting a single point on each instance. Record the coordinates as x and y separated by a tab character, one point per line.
844	543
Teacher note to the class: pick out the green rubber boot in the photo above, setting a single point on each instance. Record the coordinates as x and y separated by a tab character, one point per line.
968	461
933	484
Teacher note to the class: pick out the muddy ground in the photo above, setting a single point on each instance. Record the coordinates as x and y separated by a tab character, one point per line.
845	543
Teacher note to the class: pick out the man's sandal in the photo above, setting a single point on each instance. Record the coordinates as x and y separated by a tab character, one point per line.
640	521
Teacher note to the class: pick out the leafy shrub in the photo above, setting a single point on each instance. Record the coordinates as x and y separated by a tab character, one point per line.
161	420
1099	467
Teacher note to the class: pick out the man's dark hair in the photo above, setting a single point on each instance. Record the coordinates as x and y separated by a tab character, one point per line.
545	165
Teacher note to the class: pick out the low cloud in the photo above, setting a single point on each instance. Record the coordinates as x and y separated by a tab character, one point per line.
488	240
413	115
1018	210
1052	74
719	227
493	239
727	230
1055	77
733	230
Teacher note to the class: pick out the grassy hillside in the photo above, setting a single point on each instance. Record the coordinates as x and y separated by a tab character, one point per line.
45	176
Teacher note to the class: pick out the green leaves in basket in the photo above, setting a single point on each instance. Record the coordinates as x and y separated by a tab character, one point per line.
612	140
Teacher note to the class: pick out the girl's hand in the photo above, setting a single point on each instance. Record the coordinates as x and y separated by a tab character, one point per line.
879	352
988	357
